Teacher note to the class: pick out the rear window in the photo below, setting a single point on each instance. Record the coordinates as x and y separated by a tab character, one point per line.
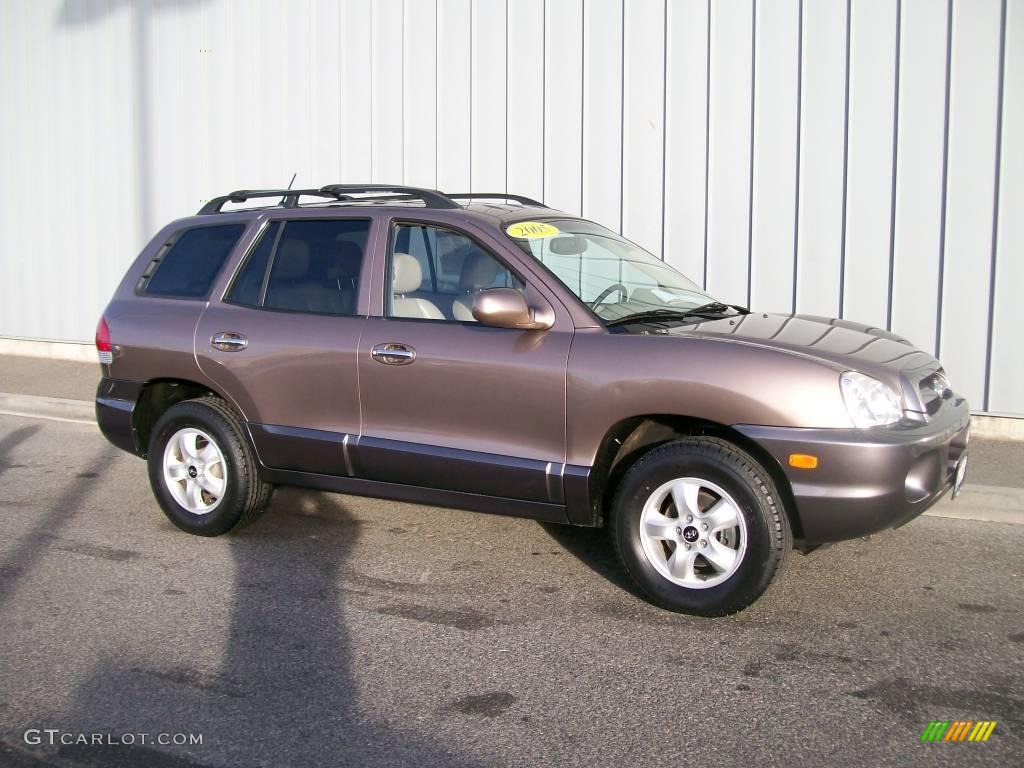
187	269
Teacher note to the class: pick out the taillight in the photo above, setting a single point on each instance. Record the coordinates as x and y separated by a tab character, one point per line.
103	347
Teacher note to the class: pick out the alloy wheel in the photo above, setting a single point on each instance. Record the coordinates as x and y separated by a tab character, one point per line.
693	533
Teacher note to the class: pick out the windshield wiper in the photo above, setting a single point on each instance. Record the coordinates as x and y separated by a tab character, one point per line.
710	309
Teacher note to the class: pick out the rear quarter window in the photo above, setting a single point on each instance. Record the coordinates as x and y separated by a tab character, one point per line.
187	268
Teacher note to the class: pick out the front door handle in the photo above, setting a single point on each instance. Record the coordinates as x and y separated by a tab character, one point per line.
390	353
228	341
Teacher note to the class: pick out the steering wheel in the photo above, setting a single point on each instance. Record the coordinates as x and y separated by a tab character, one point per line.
623	291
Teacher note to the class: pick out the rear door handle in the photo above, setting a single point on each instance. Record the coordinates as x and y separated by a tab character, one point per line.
229	341
390	353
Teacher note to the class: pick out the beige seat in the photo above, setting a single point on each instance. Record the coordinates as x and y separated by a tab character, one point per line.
479	270
406	277
343	274
289	289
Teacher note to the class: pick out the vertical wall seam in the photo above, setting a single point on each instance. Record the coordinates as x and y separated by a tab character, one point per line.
622	119
310	152
995	204
373	89
402	91
583	93
707	144
437	152
945	178
799	129
472	41
846	164
141	22
506	97
750	180
895	150
342	148
544	103
664	120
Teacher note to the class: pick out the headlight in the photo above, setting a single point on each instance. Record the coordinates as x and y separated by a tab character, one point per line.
869	401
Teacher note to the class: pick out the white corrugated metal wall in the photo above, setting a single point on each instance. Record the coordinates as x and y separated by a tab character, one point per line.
862	158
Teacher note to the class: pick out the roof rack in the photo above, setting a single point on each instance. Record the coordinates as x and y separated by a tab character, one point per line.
344	192
497	196
289	197
431	197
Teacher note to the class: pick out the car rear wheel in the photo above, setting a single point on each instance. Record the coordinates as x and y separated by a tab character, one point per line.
700	527
201	469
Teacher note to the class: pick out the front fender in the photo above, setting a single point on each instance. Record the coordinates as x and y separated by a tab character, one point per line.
613	377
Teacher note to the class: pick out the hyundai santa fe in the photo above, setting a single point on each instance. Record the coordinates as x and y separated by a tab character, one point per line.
489	353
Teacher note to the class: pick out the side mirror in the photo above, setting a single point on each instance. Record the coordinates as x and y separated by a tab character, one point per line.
507	308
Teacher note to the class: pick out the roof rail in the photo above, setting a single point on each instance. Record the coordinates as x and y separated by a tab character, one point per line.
431	197
290	197
343	192
497	196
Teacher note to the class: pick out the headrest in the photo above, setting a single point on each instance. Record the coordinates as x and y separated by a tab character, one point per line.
347	261
293	259
349	252
407	275
478	271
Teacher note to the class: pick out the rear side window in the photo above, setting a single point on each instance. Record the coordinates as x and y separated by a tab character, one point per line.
314	267
248	287
189	266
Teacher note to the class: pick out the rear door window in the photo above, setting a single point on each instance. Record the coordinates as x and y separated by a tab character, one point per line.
308	265
248	286
187	269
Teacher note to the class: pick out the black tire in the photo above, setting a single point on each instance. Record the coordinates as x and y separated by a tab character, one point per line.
245	495
769	538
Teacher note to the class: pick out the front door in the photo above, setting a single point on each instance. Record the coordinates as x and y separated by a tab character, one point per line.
449	403
283	343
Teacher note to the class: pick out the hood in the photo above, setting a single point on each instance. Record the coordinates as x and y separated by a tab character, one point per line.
844	344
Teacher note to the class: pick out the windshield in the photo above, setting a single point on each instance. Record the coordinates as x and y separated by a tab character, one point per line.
614	277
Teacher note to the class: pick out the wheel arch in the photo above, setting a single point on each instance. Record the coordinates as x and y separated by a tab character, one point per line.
157	395
626	440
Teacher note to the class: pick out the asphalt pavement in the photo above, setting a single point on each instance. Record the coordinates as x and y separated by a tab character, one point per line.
345	631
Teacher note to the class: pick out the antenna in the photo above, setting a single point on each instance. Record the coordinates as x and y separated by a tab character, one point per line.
293	180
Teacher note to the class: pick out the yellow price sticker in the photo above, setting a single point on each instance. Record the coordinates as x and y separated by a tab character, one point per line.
530	230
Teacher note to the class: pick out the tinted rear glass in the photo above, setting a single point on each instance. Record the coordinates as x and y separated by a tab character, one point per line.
249	282
316	266
189	268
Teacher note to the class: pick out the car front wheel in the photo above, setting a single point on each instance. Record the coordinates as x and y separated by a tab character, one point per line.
700	527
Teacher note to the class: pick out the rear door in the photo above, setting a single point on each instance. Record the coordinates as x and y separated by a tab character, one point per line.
282	343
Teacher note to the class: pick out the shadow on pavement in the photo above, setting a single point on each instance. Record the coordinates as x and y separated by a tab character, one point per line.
11	441
285	693
33	545
594	548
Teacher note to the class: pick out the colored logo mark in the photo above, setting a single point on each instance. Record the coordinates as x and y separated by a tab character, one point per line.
958	730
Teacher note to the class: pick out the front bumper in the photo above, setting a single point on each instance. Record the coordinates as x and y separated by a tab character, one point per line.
868	480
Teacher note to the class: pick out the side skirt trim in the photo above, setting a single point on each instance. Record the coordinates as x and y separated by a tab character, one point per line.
552	513
456	469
